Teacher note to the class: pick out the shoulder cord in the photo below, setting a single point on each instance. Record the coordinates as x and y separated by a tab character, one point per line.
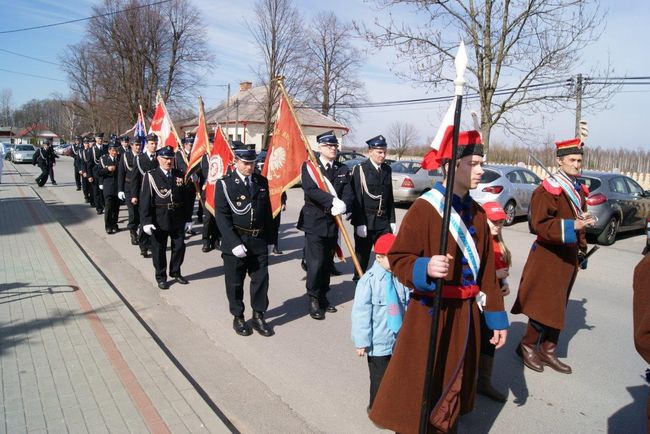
364	187
126	164
137	161
234	209
155	188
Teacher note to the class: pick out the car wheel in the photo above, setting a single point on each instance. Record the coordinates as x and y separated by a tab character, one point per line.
608	235
510	212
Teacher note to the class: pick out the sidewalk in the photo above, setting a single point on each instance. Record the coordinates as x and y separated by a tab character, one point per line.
73	358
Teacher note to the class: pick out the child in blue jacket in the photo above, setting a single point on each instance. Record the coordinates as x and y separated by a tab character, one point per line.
379	303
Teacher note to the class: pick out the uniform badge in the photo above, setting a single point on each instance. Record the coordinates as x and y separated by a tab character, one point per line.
179	182
242	197
238	203
163	190
236	181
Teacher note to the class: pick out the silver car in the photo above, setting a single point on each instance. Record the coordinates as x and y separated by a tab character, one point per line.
410	180
23	154
510	186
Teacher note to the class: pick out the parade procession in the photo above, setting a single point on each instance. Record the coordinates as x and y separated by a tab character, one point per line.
262	267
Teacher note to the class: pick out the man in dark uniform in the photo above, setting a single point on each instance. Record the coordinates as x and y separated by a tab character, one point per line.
77	147
144	162
124	175
42	160
87	173
317	220
107	171
182	157
373	211
124	147
162	214
243	214
51	161
97	151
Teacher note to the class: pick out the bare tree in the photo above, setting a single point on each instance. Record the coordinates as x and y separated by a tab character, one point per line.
6	107
127	56
514	47
279	35
402	136
332	67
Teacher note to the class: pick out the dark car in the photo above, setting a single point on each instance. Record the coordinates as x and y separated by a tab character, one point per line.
619	203
259	161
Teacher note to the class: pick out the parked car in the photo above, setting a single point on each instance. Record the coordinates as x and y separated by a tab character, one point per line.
619	203
9	148
23	154
63	149
344	156
410	180
510	186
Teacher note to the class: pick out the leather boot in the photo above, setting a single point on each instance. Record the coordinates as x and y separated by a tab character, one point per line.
314	309
484	386
260	325
240	326
134	237
548	357
527	349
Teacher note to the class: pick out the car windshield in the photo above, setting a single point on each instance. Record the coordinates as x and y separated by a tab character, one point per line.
24	148
405	166
489	176
591	183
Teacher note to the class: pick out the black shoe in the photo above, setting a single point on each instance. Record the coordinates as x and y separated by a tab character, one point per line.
206	248
180	279
303	264
260	326
276	251
134	237
240	326
144	253
325	304
334	271
78	188
86	200
53	182
100	211
110	231
314	309
217	245
163	285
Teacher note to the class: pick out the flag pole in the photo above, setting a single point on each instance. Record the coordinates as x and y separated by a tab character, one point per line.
427	395
312	157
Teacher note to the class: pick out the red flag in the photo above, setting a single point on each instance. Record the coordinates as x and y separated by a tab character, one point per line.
285	155
201	141
441	143
161	125
221	157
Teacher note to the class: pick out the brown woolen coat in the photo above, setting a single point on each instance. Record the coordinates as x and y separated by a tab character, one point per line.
552	266
397	405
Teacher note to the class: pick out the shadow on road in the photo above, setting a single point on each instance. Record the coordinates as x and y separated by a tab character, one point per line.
632	417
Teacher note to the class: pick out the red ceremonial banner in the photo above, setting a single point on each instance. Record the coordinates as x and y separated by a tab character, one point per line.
161	125
200	146
285	155
221	157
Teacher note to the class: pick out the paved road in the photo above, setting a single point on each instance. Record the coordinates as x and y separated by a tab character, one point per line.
307	377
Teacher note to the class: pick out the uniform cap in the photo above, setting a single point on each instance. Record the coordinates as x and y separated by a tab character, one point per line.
378	142
328	138
100	135
188	139
125	138
245	152
384	243
569	147
165	152
494	211
152	137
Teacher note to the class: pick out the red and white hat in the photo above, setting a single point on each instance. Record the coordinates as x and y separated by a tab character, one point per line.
494	211
569	147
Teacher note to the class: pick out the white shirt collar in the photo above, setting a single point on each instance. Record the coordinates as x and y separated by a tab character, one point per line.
373	163
242	177
325	162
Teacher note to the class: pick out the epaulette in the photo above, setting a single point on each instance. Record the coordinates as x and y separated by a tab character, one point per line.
552	186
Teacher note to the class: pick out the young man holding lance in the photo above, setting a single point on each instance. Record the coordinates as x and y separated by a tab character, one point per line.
468	269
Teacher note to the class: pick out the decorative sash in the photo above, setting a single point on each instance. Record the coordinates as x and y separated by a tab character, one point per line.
567	186
457	229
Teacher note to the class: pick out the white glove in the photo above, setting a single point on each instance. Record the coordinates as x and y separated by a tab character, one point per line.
148	229
362	231
121	195
338	207
101	187
188	226
239	251
393	227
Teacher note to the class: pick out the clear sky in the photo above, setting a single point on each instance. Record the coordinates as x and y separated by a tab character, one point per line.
624	42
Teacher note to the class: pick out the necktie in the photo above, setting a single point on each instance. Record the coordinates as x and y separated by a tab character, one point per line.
394	310
328	169
247	183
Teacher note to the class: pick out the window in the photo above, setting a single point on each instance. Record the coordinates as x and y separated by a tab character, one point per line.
591	183
617	185
514	177
634	187
530	177
489	176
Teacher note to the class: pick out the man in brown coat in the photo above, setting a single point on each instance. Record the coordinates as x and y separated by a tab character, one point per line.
468	268
558	218
641	315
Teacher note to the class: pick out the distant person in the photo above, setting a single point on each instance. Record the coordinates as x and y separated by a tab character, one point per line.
76	149
51	162
377	311
558	216
2	159
108	171
41	159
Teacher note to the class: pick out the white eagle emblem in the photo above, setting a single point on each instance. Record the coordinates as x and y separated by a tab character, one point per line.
216	169
276	162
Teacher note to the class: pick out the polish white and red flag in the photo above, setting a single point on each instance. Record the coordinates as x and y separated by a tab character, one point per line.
161	125
441	144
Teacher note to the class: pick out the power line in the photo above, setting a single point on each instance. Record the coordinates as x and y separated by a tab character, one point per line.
32	75
84	19
29	57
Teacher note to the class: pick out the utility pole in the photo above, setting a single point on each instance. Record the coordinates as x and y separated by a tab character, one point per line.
236	119
579	90
228	111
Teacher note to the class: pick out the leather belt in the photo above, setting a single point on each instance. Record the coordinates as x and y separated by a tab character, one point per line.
251	232
377	212
168	205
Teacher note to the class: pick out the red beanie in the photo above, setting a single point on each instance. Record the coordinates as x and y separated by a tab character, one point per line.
384	243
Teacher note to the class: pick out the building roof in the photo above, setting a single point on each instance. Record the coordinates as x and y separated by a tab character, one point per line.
40	130
251	111
9	131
